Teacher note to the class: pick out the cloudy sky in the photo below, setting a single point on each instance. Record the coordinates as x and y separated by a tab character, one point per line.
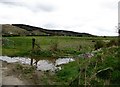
97	17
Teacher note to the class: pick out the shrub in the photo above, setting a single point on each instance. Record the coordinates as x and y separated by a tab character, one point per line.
112	43
79	47
27	70
19	67
54	46
41	53
99	44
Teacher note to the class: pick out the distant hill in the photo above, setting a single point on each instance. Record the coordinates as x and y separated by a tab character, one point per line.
8	29
22	29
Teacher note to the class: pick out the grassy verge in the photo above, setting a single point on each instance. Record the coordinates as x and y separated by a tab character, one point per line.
21	46
102	69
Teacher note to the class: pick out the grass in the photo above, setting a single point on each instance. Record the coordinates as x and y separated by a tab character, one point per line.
21	46
56	46
50	46
68	73
92	66
16	46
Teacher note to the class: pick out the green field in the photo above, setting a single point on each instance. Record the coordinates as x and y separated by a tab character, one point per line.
21	46
102	69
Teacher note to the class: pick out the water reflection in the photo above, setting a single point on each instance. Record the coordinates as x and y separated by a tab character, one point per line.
61	61
42	65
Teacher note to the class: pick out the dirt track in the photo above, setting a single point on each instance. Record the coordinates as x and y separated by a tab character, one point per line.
8	78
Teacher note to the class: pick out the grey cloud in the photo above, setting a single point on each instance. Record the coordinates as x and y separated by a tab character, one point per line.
53	25
109	5
35	7
45	8
104	29
73	26
8	2
119	12
50	25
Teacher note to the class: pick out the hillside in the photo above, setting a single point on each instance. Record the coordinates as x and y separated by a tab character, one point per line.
22	29
8	29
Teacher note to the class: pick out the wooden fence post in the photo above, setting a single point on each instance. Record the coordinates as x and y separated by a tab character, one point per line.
119	36
33	44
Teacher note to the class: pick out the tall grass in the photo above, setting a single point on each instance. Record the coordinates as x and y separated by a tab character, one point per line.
22	45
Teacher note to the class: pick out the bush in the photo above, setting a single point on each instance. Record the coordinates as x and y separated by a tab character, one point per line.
112	43
54	46
19	67
99	44
41	53
79	47
27	70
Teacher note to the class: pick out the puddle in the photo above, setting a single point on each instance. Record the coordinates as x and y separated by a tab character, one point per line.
45	65
22	60
42	65
61	61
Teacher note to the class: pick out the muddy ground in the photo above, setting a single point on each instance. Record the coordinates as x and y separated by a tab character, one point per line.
9	77
13	76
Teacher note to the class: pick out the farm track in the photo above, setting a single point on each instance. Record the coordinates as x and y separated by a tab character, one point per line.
7	77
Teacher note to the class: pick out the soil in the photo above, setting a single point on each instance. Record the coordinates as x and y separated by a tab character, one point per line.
12	76
9	77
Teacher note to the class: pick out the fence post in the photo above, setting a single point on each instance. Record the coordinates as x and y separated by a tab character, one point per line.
33	44
119	36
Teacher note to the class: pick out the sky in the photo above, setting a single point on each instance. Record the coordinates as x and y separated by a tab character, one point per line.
97	17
